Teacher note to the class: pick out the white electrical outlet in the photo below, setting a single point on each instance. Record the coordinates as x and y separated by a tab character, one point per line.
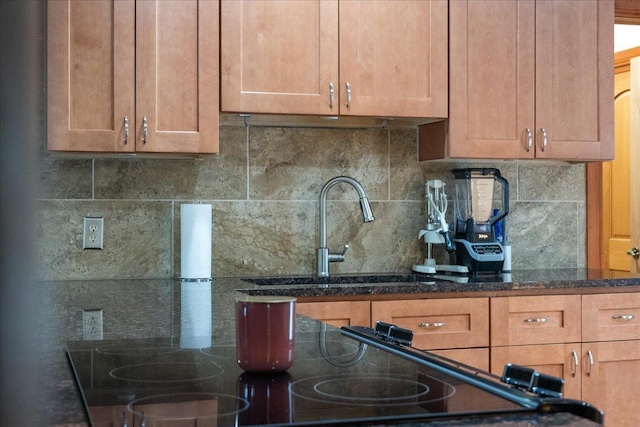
92	324
92	235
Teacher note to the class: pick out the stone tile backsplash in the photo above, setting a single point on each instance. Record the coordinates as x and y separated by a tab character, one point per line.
264	189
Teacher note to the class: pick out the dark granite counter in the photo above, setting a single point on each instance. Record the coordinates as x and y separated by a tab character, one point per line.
150	308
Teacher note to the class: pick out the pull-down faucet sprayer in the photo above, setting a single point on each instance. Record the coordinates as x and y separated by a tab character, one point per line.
324	256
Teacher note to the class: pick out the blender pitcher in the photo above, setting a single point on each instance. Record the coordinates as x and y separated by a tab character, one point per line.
476	214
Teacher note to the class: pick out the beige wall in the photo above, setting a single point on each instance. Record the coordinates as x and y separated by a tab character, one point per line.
264	189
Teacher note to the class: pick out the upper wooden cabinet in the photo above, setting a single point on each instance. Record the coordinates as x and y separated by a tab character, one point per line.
127	76
528	79
329	57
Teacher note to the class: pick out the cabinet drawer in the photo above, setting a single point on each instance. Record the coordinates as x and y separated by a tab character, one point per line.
338	313
611	317
438	323
535	320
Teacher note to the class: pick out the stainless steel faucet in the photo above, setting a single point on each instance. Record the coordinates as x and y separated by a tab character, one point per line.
324	256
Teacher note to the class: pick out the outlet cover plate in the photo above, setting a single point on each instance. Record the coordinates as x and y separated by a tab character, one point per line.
92	324
93	231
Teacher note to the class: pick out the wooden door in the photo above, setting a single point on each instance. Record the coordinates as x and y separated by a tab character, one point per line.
176	76
574	79
559	360
635	163
617	205
90	75
610	383
393	58
279	56
492	79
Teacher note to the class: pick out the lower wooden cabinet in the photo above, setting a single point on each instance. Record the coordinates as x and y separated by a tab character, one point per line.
438	323
338	313
597	353
591	341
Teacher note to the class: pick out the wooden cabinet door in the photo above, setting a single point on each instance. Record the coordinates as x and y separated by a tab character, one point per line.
574	79
176	77
338	313
535	320
476	357
90	75
559	360
492	72
610	384
611	317
438	323
279	56
393	58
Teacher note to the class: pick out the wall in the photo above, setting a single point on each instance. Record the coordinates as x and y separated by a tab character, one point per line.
264	189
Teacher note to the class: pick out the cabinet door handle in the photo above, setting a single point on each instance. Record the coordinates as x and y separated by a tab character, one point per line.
126	130
145	127
431	325
590	364
635	252
544	138
576	363
331	95
529	139
535	320
348	86
623	317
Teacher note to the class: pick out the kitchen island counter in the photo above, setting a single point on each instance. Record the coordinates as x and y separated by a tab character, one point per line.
135	309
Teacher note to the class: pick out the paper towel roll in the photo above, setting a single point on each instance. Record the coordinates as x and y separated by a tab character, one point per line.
195	241
195	317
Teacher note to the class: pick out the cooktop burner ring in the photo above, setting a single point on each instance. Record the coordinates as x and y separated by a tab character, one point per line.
239	404
349	390
145	372
423	388
151	350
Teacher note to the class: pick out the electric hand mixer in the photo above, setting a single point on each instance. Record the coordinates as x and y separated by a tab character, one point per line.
437	229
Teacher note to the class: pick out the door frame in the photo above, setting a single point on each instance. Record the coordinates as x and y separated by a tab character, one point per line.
626	12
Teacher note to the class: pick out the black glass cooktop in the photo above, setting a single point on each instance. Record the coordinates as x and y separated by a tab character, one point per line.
335	380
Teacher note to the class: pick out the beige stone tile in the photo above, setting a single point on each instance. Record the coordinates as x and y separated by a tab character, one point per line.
212	177
137	240
552	182
406	173
294	163
261	238
64	178
544	235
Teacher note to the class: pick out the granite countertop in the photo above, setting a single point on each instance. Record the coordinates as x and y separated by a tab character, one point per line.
150	308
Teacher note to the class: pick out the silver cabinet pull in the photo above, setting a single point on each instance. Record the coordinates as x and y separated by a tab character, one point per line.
535	320
576	362
529	139
544	138
623	317
348	94
431	325
331	95
590	364
126	130
144	129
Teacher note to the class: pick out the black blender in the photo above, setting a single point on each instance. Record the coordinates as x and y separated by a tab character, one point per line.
476	216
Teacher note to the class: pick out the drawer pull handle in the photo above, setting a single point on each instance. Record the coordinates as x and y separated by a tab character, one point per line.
536	320
623	317
574	366
431	325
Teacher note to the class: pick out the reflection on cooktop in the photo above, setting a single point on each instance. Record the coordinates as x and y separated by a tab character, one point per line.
149	350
